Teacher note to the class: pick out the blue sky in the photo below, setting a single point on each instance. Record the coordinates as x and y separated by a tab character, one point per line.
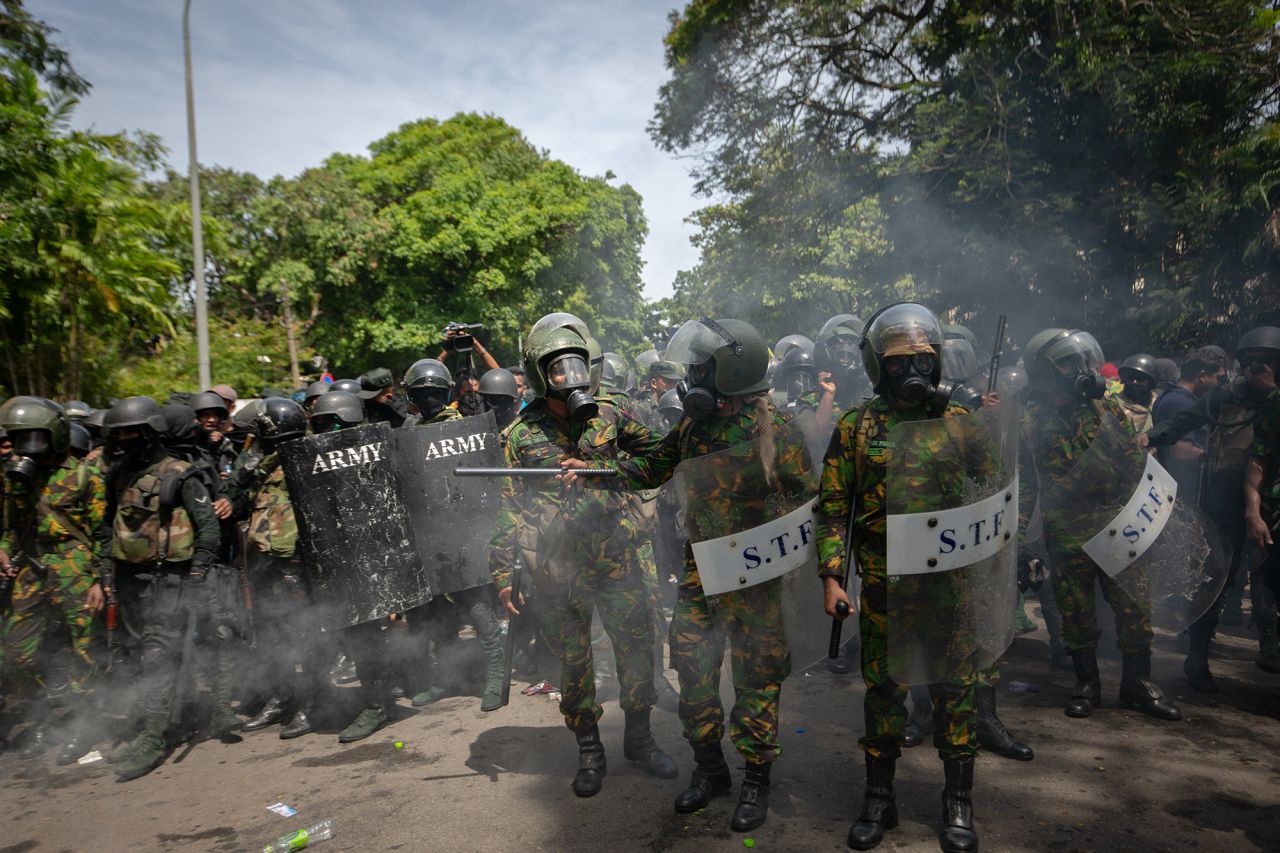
281	84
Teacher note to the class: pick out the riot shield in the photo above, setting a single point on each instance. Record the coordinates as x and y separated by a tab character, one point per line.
1123	509
747	513
451	518
951	494
354	531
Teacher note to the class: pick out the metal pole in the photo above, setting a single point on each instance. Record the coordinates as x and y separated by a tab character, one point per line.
197	231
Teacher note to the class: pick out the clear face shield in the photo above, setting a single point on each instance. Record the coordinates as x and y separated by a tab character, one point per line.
569	381
906	340
1077	360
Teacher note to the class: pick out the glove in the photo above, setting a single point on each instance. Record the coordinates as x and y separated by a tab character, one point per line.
1032	571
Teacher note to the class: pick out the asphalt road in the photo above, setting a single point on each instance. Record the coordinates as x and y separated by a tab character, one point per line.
487	782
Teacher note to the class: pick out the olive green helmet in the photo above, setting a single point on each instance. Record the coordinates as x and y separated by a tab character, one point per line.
544	343
21	415
740	353
563	320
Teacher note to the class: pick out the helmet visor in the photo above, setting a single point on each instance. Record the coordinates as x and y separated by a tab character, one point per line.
959	361
696	342
567	370
905	329
1075	354
31	442
840	324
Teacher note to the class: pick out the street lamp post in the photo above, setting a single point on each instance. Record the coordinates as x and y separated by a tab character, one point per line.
197	231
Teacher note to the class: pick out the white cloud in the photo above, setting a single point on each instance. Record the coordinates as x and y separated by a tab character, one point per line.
281	85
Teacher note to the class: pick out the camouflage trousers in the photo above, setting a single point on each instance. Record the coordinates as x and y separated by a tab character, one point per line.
752	621
1074	575
955	718
613	584
39	598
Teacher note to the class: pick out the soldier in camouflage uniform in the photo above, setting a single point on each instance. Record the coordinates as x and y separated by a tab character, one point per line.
51	514
663	376
1262	478
288	635
1065	409
159	538
1138	392
726	404
841	384
900	350
427	383
580	547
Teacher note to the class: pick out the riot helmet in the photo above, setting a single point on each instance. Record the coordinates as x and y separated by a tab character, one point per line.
428	384
556	366
900	351
77	410
959	360
35	426
314	390
786	342
646	360
955	330
79	441
142	414
1066	360
94	423
799	373
278	420
563	320
500	393
350	386
245	414
1258	348
208	401
723	359
671	407
180	426
1011	380
1140	375
621	372
835	350
336	410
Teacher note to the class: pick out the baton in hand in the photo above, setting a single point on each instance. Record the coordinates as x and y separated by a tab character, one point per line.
842	608
534	472
993	369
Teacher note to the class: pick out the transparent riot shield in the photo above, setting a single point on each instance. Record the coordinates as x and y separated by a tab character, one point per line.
1123	509
748	515
951	496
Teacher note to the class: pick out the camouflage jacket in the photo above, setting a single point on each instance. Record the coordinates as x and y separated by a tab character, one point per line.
37	515
1139	415
273	530
645	409
235	486
448	413
132	526
1266	448
539	508
1052	440
854	475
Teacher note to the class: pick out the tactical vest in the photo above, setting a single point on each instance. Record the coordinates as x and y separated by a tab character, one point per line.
138	535
273	529
1231	436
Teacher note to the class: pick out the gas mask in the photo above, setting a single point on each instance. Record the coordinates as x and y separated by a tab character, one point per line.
20	469
697	391
429	401
1076	380
569	381
910	377
799	383
844	353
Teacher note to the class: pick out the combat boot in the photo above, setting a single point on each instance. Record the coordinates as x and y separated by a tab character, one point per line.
1268	641
83	737
223	725
271	713
1087	693
591	764
1137	690
37	738
343	672
147	751
297	727
495	671
710	779
879	804
121	752
992	734
753	800
638	745
371	719
956	834
1196	666
920	718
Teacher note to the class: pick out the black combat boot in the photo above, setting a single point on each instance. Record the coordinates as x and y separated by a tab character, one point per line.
495	667
591	765
37	738
710	779
957	835
638	745
879	806
297	727
920	717
992	735
1196	666
1137	690
343	672
753	800
1087	694
271	713
84	734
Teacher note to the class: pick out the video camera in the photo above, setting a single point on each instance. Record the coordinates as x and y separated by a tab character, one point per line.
458	337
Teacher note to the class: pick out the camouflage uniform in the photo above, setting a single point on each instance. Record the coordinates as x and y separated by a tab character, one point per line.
1053	439
1139	415
853	481
751	617
1266	450
38	515
581	549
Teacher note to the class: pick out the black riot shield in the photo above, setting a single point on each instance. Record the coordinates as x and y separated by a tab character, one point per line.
354	531
951	491
451	518
1119	506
